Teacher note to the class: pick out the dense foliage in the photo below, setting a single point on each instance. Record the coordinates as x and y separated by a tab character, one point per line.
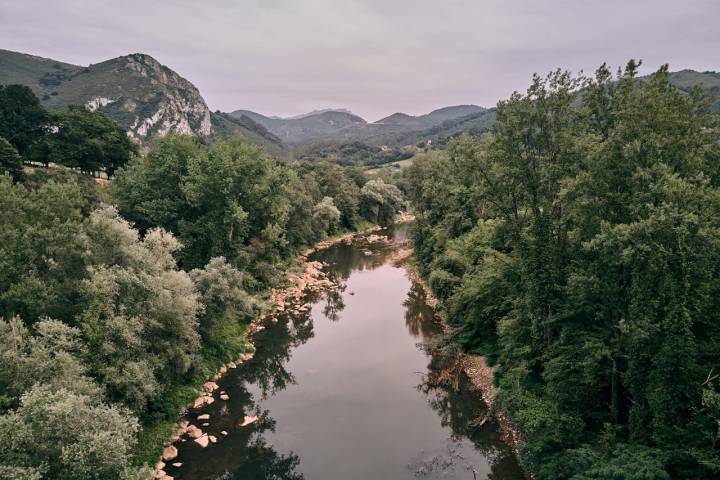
76	138
116	302
578	246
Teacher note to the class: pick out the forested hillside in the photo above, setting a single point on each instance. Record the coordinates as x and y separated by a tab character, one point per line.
118	298
578	248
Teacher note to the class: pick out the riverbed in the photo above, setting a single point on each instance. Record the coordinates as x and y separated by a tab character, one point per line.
342	391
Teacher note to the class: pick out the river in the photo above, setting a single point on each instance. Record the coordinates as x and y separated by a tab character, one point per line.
341	391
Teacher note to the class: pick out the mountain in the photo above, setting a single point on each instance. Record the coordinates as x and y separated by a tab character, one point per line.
316	112
340	125
436	117
145	97
307	129
687	79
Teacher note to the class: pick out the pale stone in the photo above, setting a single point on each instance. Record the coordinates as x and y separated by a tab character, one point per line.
248	420
212	438
194	432
169	453
223	432
177	464
210	387
224	396
204	416
202	441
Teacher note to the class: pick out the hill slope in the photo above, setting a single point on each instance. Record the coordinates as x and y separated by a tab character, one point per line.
145	97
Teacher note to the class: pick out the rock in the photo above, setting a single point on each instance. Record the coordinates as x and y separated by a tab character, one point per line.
184	424
160	474
205	424
210	387
202	441
246	356
194	432
248	420
223	370
223	432
232	365
170	453
224	396
204	416
166	477
199	402
159	465
212	438
209	400
177	464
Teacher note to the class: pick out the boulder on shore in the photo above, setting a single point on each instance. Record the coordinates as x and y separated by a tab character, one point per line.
194	432
169	453
202	441
210	387
248	420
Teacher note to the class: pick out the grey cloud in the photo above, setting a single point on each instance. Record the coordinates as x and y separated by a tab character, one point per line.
374	57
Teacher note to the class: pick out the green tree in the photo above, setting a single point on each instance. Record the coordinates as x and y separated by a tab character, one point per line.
88	141
140	322
62	434
380	201
22	119
10	160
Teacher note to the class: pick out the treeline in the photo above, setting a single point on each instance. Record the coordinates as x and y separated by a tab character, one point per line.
578	247
116	302
353	153
76	138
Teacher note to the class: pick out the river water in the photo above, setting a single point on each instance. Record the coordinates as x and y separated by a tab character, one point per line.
341	392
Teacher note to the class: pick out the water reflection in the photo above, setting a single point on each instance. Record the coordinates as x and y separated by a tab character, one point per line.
343	405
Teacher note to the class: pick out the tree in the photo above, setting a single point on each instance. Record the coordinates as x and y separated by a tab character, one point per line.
10	160
88	141
42	263
22	119
140	320
327	215
380	201
52	356
577	245
62	434
227	306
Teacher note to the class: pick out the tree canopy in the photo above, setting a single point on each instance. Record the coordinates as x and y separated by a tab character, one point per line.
577	246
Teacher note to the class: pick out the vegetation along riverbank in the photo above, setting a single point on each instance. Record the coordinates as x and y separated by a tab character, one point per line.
119	299
576	249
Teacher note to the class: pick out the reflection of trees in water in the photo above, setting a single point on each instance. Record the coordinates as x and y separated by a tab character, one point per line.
264	463
334	303
458	409
267	368
419	317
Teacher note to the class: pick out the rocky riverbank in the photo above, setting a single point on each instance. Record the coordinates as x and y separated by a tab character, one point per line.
289	300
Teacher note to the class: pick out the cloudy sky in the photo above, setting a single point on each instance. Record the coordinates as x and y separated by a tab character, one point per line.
375	57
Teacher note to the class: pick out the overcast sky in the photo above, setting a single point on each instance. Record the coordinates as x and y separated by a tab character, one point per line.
375	57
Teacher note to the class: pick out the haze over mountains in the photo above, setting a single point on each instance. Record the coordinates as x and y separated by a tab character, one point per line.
149	99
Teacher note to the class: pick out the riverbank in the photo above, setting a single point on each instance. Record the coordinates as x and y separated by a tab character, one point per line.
475	367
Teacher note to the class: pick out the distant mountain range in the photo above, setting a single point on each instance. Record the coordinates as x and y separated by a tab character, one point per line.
342	125
149	99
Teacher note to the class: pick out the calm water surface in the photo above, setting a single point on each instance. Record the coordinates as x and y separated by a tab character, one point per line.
341	392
